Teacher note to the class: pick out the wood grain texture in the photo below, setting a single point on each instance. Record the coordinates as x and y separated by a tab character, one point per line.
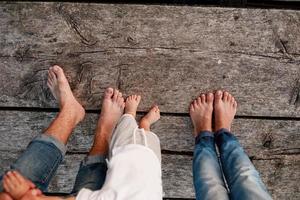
279	173
258	137
168	54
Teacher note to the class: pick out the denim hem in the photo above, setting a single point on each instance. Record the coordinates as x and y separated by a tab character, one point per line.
89	160
203	134
222	130
50	139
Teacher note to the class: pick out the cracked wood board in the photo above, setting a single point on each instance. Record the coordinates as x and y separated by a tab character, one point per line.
167	53
279	173
258	137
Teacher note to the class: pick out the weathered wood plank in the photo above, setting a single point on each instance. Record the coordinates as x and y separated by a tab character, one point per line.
259	137
167	53
279	173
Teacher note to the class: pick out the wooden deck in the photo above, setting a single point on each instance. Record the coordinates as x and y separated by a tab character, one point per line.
169	55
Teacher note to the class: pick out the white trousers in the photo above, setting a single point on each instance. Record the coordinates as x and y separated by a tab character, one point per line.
128	132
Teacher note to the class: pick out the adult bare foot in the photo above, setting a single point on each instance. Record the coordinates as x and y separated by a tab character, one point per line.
201	110
224	108
131	104
60	88
111	111
150	118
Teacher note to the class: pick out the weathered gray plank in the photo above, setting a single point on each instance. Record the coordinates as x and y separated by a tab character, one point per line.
259	137
279	173
169	54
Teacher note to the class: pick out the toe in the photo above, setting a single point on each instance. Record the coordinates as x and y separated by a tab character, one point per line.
52	75
5	185
235	104
232	100
195	103
218	95
198	100
57	69
59	72
225	95
49	83
229	97
210	97
138	98
192	109
108	93
116	95
203	98
121	101
19	177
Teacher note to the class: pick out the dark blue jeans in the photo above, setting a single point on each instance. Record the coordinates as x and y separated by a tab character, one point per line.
242	178
44	154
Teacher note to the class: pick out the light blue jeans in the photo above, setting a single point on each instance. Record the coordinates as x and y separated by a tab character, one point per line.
39	163
233	166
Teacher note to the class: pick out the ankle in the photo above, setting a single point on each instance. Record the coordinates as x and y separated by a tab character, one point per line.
222	127
145	124
100	145
131	113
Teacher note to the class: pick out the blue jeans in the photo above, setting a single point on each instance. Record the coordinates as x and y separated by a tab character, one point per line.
236	169
44	154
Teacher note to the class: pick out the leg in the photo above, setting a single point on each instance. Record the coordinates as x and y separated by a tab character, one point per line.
208	179
44	154
152	140
242	178
126	126
92	171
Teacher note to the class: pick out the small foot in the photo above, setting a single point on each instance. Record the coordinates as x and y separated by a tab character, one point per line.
150	118
131	104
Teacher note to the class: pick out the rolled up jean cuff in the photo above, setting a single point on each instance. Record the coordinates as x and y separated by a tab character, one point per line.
203	134
222	130
48	138
89	160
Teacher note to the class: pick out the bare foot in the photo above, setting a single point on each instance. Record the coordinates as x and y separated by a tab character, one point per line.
60	88
224	108
111	111
150	118
131	104
201	110
16	185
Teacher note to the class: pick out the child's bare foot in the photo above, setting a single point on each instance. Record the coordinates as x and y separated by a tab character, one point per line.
131	104
60	88
224	108
201	110
15	184
150	118
111	111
